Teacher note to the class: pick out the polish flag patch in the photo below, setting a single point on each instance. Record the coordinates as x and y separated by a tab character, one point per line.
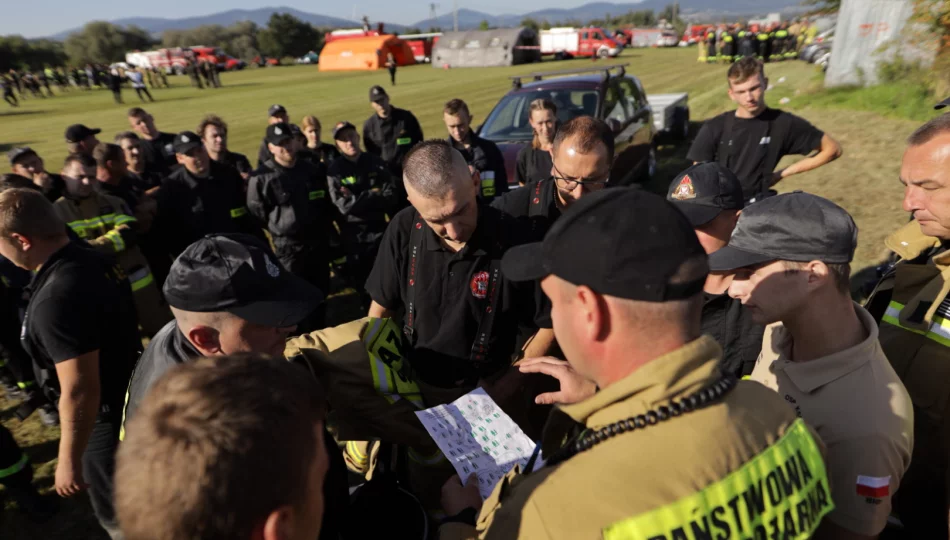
876	487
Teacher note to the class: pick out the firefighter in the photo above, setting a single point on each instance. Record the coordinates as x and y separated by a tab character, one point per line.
728	53
483	157
289	197
712	55
275	115
746	45
390	133
763	39
108	225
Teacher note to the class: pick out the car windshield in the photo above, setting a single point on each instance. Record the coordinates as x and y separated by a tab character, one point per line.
509	120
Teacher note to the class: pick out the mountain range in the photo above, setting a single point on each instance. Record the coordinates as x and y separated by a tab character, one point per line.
467	18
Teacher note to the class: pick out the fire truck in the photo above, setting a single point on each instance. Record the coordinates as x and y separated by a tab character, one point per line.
569	42
173	61
421	45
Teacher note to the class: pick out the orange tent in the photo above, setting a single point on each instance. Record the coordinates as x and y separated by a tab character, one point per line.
364	53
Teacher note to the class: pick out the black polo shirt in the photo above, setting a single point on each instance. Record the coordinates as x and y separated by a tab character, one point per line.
534	205
488	160
452	292
236	160
160	153
532	164
81	301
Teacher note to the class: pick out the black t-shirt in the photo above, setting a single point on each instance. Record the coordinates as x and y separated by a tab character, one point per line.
452	291
238	161
750	140
532	164
81	301
147	180
160	153
534	205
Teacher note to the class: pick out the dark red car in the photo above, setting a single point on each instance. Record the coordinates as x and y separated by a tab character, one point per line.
607	93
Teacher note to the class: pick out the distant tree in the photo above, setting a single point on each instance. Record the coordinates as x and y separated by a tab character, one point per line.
287	35
239	39
434	29
484	25
822	7
410	31
545	25
17	52
103	42
528	22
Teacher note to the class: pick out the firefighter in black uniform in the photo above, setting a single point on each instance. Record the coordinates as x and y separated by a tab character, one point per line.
728	38
157	146
201	197
764	43
275	114
579	171
746	43
483	156
390	133
290	197
712	54
363	191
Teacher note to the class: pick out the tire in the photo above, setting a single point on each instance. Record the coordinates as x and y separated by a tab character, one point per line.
603	53
559	56
650	170
680	128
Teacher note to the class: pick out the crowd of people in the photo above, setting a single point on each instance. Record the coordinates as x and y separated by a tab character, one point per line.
691	366
773	42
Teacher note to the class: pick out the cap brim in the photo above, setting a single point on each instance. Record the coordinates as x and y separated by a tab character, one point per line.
524	263
186	149
288	304
942	104
95	131
697	214
730	258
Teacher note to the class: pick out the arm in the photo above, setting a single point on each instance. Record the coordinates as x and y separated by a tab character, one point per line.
257	201
78	407
417	130
829	151
540	344
521	171
263	154
379	312
705	146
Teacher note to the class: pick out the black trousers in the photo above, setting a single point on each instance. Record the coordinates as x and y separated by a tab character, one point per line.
98	469
392	75
143	90
313	265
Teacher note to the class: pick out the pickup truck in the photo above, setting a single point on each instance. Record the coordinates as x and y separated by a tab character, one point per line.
605	92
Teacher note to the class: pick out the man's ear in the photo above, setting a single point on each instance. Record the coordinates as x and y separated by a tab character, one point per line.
278	525
206	340
21	242
818	273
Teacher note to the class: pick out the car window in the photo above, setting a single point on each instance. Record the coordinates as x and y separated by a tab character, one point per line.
596	35
583	35
509	120
615	103
631	95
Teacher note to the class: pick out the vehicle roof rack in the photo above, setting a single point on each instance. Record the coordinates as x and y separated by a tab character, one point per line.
540	75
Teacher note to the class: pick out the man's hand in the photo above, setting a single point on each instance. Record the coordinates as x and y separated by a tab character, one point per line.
456	497
69	480
574	387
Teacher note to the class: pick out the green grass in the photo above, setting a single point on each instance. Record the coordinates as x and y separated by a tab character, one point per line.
870	124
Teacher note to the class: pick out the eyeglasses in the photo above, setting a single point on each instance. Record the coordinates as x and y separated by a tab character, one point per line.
569	183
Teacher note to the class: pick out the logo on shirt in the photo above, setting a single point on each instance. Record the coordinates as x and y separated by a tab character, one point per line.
272	269
765	140
685	190
874	487
480	285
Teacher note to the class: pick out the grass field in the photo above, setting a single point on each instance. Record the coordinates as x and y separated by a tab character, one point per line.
864	180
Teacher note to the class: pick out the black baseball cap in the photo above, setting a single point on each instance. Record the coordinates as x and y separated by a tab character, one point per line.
702	191
239	274
620	242
340	126
274	110
79	132
185	142
942	104
16	153
795	226
296	131
278	133
377	93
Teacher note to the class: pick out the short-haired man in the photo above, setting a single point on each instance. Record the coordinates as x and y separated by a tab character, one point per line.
752	140
157	146
364	193
259	470
710	197
582	156
147	180
289	197
81	139
627	316
390	133
27	163
276	114
262	472
482	156
791	254
81	330
230	295
214	134
201	197
911	303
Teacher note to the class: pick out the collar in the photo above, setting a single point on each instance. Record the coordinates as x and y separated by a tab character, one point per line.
476	243
910	243
812	375
50	263
680	372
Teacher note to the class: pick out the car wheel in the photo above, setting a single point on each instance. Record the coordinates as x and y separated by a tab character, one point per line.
603	53
650	170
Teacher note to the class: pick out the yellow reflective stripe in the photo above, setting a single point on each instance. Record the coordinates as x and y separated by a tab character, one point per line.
318	194
403	140
781	493
140	284
341	260
939	330
389	368
349	180
434	459
3	363
353	449
16	467
25	384
100	221
116	238
238	212
488	185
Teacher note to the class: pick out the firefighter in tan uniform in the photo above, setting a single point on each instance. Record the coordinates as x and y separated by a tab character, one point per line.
105	222
789	256
911	302
669	447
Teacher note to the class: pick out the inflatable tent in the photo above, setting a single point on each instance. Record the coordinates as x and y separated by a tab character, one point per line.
505	47
364	53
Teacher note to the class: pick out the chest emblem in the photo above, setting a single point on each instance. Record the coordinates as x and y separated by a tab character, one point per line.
685	190
479	284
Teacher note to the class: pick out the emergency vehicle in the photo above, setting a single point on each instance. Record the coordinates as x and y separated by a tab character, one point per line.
173	60
421	45
570	42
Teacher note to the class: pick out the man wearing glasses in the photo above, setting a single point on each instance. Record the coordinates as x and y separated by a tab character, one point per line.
583	153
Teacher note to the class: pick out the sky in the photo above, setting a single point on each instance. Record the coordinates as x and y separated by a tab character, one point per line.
39	18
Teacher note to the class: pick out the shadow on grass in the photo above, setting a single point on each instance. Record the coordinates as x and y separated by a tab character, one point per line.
43	452
20	112
5	146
